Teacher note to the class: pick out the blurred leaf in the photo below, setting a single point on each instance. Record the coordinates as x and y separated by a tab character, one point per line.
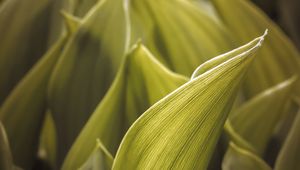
24	29
236	158
181	130
256	120
81	7
47	148
278	61
86	69
180	35
289	156
6	162
100	159
22	113
289	18
140	82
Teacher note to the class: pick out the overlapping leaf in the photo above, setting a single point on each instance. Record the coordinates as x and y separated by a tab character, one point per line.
180	35
237	158
23	27
100	159
86	69
289	156
279	59
141	81
22	113
181	130
6	161
256	120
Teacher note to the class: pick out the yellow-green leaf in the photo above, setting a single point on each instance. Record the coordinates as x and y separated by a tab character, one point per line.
180	35
86	69
141	81
6	162
256	120
100	159
23	41
181	130
278	61
22	113
289	155
47	148
237	158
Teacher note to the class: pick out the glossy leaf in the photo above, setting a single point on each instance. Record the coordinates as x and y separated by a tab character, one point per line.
181	130
180	35
100	159
237	158
141	81
278	61
289	156
86	69
22	113
256	120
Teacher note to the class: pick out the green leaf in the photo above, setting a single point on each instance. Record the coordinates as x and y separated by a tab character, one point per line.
237	158
181	130
86	70
80	8
278	61
6	162
100	159
23	41
47	148
256	120
289	155
22	113
180	35
140	82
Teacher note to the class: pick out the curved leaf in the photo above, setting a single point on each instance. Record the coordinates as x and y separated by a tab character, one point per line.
100	159
256	120
278	61
86	69
179	34
289	156
181	130
141	81
6	162
23	41
22	113
237	158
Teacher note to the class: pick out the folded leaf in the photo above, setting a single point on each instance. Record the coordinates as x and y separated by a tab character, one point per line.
237	158
141	82
278	61
180	35
86	69
181	130
289	156
100	159
22	113
6	162
256	120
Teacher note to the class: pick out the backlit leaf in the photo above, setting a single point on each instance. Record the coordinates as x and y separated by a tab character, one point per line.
181	130
141	81
86	69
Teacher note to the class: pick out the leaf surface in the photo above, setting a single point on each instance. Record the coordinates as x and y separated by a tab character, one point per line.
140	82
181	130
